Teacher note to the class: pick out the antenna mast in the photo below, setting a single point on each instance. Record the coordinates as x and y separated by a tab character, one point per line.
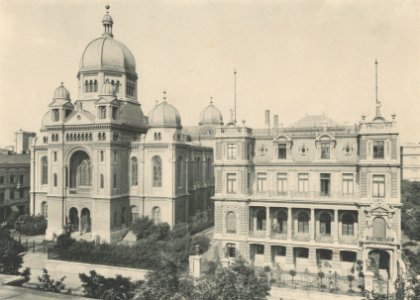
378	103
234	108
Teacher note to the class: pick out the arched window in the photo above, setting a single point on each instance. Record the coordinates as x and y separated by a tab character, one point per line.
80	169
117	87
44	170
347	222
280	222
261	219
325	224
156	215
115	181
157	171
102	155
303	222
95	86
55	180
86	86
44	209
379	228
102	183
179	172
231	222
134	171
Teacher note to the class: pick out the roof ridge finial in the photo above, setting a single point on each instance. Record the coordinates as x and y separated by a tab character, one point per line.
107	22
377	102
234	108
164	96
211	100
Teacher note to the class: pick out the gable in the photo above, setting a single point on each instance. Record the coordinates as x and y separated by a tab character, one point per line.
79	117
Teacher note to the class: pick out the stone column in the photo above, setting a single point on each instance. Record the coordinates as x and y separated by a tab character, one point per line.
312	225
267	254
289	223
335	231
267	223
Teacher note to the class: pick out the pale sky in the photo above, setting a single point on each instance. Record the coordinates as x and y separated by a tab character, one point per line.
293	57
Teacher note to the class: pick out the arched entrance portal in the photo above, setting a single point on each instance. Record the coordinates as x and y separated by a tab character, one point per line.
379	262
86	221
74	219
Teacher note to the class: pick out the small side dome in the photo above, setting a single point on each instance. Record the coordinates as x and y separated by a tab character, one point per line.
211	115
107	89
164	115
61	93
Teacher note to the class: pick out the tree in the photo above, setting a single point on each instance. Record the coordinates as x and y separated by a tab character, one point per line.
350	278
10	253
293	274
321	275
98	287
237	282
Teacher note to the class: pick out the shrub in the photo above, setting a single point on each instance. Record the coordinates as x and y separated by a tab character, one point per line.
31	225
98	287
50	285
64	241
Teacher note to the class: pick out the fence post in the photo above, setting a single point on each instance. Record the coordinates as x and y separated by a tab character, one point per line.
33	244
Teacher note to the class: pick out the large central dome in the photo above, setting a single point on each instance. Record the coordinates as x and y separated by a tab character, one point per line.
106	53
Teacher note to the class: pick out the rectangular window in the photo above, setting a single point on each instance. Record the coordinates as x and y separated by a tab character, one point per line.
114	113
261	182
55	155
21	194
282	153
348	184
378	149
231	183
303	180
1	196
231	250
248	180
281	183
56	115
1	179
231	151
102	112
378	185
12	179
12	194
325	151
21	177
325	184
115	181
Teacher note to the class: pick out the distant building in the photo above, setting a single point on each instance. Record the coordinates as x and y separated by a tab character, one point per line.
100	163
14	177
410	162
315	195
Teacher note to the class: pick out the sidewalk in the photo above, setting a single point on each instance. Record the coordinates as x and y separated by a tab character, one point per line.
298	294
20	293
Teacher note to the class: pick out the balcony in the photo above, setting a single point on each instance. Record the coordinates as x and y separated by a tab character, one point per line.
302	237
302	195
324	238
278	236
257	234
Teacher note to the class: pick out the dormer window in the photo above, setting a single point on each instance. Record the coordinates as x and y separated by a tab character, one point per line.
282	151
378	149
102	112
325	150
56	115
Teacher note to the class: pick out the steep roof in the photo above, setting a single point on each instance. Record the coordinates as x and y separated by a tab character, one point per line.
311	121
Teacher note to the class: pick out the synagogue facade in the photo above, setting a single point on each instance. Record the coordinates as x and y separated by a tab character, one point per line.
99	162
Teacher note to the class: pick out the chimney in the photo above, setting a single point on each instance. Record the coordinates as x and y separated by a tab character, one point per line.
276	121
267	118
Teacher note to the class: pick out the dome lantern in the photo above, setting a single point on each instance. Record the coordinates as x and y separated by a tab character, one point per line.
107	22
